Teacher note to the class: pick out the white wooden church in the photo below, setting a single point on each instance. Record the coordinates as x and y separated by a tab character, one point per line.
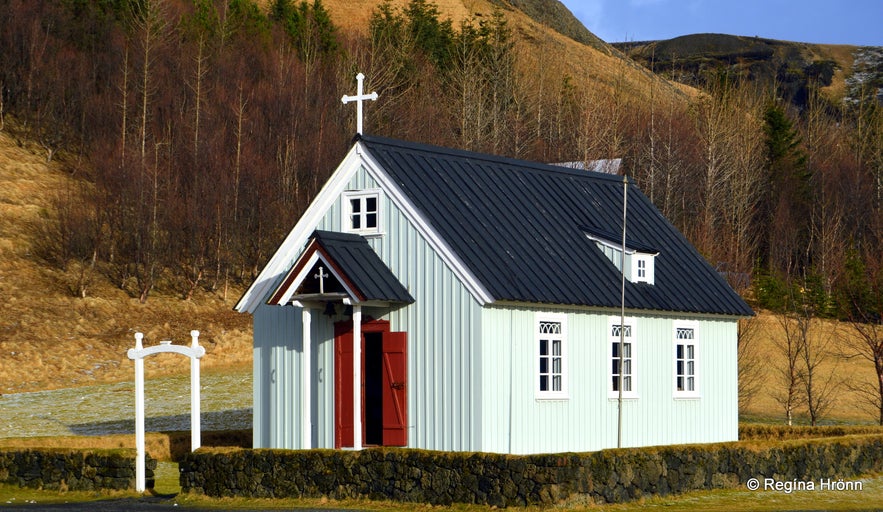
447	300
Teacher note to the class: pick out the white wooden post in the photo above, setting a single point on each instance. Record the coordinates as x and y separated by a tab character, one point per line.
140	483
195	412
357	377
194	352
306	388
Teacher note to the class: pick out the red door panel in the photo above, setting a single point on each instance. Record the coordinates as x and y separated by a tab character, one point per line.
395	399
343	385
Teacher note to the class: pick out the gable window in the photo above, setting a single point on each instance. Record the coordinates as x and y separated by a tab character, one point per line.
622	358
361	212
551	367
685	361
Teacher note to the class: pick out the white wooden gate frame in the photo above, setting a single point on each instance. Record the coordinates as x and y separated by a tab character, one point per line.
194	352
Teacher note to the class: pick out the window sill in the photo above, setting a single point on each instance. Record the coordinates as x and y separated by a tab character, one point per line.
552	398
686	397
615	398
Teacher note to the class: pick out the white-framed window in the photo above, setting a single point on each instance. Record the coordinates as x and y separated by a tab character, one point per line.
622	358
642	270
362	212
686	359
551	356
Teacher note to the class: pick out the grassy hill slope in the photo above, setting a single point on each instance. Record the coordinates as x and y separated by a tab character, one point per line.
549	38
48	337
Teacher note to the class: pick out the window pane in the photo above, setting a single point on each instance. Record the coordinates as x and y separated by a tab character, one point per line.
556	347
627	366
556	383
356	205
690	352
680	367
626	383
691	386
544	365
357	221
544	347
371	220
556	365
680	383
616	383
680	351
627	350
370	204
615	369
544	383
690	368
616	350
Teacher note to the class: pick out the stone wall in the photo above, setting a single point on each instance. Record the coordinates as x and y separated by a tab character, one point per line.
442	478
68	470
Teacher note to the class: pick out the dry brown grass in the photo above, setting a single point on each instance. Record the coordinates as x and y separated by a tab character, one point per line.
544	53
163	446
50	339
847	407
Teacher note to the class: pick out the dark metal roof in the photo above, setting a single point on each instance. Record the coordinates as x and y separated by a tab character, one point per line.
521	228
363	267
351	258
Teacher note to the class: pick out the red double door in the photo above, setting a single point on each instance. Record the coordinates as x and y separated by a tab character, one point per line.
384	385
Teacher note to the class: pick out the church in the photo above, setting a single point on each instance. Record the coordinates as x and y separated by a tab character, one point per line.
442	299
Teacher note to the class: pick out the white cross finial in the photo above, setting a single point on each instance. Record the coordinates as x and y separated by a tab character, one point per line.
321	277
359	98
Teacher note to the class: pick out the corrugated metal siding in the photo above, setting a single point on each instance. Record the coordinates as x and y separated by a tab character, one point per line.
276	364
441	326
587	420
278	349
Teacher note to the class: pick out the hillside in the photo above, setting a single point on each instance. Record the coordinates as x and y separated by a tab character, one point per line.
790	65
48	337
549	39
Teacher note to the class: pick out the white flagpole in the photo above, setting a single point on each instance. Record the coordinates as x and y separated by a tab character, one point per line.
625	186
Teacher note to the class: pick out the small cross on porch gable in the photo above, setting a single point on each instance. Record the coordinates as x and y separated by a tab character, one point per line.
359	98
321	277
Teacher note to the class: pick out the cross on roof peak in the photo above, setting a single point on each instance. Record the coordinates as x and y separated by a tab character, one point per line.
359	98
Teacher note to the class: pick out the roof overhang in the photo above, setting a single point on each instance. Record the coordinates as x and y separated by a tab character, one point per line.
355	274
303	268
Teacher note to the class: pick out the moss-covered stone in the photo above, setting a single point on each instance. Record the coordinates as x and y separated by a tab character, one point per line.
502	480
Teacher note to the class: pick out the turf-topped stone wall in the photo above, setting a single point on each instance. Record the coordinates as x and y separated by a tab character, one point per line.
68	470
442	478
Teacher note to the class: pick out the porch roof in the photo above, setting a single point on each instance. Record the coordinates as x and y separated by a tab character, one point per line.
352	262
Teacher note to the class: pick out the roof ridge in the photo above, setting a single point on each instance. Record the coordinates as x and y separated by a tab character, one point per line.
475	155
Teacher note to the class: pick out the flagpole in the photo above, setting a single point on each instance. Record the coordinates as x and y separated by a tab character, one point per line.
625	185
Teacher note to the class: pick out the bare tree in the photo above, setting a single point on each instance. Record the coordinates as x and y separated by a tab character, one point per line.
714	126
149	25
751	362
790	394
861	302
867	344
820	384
745	188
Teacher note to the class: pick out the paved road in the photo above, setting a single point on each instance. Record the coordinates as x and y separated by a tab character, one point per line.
145	504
